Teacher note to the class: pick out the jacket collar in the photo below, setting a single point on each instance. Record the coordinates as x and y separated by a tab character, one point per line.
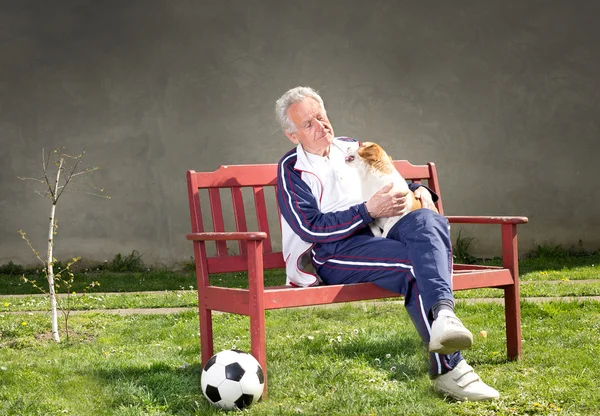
302	162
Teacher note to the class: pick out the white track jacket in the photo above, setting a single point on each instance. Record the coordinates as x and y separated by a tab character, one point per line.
319	200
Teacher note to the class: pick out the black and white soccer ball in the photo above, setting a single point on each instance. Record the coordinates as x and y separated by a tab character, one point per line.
232	379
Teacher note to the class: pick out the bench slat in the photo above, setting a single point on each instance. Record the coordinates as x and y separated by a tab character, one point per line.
471	267
435	186
262	217
240	215
457	219
227	264
277	298
412	172
278	210
238	175
226	299
236	300
226	236
216	211
481	279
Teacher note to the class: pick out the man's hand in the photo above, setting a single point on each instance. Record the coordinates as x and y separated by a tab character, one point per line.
387	203
424	196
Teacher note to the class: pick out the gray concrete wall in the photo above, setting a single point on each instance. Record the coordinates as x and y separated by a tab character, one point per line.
503	95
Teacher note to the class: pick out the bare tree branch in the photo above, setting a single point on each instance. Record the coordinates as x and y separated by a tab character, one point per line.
69	175
85	171
54	188
39	180
24	236
45	163
90	193
55	184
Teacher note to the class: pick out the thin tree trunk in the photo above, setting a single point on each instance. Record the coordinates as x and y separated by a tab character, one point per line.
51	290
50	266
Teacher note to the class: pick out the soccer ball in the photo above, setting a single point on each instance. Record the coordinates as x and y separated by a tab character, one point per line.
232	379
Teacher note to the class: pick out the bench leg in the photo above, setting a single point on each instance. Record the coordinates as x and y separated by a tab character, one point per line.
512	299
258	341
206	332
512	310
256	306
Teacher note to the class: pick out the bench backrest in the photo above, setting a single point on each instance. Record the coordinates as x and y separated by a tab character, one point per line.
258	179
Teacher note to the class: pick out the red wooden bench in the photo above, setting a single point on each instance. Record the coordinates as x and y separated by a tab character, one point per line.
256	253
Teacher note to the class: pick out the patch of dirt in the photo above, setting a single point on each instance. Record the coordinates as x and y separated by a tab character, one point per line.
44	336
73	337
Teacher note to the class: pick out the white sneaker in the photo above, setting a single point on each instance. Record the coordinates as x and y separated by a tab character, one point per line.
448	334
463	384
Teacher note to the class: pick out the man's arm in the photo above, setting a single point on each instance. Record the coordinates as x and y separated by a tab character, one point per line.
414	186
299	207
388	202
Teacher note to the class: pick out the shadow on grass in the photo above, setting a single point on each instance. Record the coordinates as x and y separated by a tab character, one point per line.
408	358
158	387
476	360
403	358
558	263
541	262
546	263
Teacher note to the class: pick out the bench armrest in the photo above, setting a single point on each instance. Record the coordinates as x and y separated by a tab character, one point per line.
487	220
224	236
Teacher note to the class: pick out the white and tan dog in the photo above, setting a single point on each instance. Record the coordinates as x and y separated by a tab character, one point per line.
375	169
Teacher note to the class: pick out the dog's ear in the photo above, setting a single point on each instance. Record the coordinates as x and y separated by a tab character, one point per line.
370	151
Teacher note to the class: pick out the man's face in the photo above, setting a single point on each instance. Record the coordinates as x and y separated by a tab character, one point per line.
314	131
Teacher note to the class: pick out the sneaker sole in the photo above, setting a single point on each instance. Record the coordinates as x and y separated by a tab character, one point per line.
451	344
463	398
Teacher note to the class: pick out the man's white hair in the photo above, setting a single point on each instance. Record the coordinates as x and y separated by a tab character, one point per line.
295	95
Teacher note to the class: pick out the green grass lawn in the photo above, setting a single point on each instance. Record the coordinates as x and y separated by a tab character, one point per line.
356	359
353	360
565	268
578	276
152	280
181	298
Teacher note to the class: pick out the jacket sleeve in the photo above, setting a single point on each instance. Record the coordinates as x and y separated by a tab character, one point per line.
413	186
300	209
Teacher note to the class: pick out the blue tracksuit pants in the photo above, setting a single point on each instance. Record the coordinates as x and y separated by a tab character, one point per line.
414	260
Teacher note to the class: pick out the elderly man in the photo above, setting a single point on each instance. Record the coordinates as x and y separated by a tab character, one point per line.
326	237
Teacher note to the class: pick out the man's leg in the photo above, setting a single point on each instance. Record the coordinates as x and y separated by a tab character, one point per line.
364	258
388	263
426	236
